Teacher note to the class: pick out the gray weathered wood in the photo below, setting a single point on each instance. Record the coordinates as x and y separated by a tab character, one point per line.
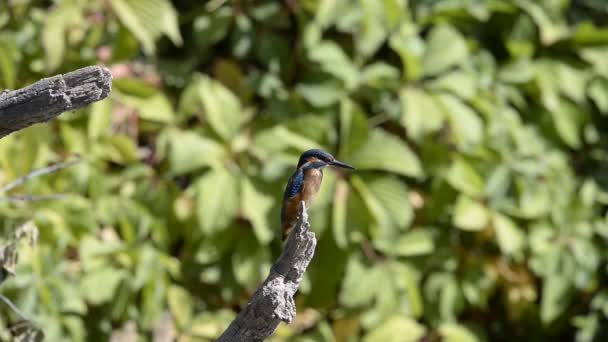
273	303
52	96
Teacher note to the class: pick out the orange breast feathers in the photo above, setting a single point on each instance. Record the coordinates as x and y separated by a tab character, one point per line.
291	205
312	184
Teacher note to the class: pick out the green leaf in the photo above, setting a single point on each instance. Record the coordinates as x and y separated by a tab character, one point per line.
54	33
393	195
335	62
550	29
386	152
8	53
411	48
326	12
250	262
148	20
398	329
99	286
534	199
121	149
413	243
339	214
422	113
510	238
597	91
222	107
466	125
569	119
587	33
546	74
212	28
382	221
358	287
180	305
256	207
555	298
279	138
380	75
354	130
154	108
573	82
451	299
99	119
453	332
135	87
446	47
518	71
460	83
462	176
372	32
210	324
321	94
469	214
190	151
217	200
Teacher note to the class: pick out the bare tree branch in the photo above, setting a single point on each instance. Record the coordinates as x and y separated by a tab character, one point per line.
52	96
15	309
273	303
34	198
38	172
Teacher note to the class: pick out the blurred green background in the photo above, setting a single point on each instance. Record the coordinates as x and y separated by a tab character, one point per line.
479	129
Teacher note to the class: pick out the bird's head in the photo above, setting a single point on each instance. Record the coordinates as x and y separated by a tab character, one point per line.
319	158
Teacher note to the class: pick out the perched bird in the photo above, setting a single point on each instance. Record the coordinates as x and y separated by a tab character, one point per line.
304	185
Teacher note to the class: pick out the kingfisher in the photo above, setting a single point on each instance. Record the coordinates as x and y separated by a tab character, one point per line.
304	184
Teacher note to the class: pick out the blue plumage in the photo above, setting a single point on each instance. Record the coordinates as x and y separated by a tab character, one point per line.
294	186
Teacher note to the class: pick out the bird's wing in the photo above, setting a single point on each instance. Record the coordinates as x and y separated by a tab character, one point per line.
294	186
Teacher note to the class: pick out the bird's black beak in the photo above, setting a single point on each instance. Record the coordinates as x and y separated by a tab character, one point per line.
341	164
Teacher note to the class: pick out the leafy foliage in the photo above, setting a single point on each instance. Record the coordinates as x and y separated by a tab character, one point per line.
478	129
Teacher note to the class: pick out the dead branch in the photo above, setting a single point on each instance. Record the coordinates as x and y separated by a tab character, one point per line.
273	303
49	97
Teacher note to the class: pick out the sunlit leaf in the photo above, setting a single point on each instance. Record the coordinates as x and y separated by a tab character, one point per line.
386	152
148	20
510	238
189	151
462	176
441	39
467	127
334	61
99	119
556	291
452	332
339	214
222	107
256	206
153	108
469	214
249	261
354	130
357	288
568	120
54	34
180	304
422	113
415	242
397	329
217	200
96	294
8	72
